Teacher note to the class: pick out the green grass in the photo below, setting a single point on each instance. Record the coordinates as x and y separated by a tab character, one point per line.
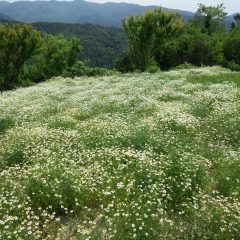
223	78
5	123
135	156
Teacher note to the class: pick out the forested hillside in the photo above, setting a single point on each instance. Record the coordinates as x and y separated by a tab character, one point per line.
78	11
4	17
101	45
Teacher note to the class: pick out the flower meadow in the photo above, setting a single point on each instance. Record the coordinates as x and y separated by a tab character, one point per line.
135	156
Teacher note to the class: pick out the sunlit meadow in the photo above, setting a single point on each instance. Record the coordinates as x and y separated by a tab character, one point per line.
136	156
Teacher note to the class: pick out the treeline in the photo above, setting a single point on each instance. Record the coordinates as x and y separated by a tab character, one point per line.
162	40
28	56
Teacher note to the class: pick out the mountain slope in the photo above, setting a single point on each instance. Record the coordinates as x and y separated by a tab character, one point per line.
230	18
78	11
101	45
154	156
4	17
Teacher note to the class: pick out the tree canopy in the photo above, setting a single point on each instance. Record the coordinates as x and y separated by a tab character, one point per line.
18	43
236	22
146	34
162	40
210	18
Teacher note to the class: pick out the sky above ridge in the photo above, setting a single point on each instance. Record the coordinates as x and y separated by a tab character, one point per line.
232	6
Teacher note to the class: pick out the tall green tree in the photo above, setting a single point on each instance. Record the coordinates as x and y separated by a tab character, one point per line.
211	19
232	47
200	48
236	22
17	44
147	34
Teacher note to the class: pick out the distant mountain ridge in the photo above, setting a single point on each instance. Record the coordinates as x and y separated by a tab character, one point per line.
230	18
4	17
78	11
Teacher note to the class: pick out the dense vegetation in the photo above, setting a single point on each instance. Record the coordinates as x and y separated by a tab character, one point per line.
137	156
28	56
100	45
156	40
17	45
162	40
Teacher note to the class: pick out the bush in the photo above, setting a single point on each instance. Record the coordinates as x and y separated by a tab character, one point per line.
124	63
185	65
152	67
147	34
18	43
80	69
231	47
233	66
55	55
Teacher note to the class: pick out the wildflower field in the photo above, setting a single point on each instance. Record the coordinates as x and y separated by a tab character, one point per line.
135	156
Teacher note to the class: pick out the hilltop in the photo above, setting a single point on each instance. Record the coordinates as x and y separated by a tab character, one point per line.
135	156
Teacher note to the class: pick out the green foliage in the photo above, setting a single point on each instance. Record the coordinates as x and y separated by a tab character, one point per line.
227	178
15	157
100	45
233	66
152	66
43	193
210	19
185	65
199	48
231	48
81	69
146	34
166	57
203	41
54	56
5	123
27	57
236	22
18	43
125	63
211	79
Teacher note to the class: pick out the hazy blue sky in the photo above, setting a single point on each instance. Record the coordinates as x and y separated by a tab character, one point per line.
232	6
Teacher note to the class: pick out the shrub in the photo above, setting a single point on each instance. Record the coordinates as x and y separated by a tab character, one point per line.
124	63
185	65
18	43
233	66
152	67
81	69
55	55
231	47
147	34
